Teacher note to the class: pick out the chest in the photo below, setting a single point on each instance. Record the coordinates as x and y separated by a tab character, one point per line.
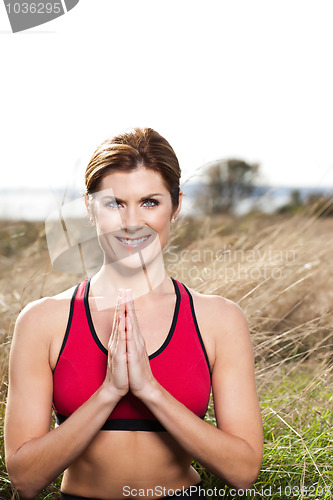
154	320
177	358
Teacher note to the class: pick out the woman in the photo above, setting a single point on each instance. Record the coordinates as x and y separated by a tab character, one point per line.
129	390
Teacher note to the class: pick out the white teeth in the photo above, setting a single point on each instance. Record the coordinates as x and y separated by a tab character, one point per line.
133	243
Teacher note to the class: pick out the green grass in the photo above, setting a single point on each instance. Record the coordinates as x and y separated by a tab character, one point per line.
298	440
298	446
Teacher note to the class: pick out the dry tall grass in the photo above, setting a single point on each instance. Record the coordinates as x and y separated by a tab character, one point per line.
279	269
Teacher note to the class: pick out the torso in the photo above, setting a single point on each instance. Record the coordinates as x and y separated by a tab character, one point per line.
134	458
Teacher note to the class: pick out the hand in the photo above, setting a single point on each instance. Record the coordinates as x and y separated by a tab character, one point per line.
116	374
139	372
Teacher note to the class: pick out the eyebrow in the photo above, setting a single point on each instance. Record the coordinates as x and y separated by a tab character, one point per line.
150	196
141	199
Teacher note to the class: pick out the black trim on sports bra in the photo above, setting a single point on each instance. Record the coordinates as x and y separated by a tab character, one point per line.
173	324
168	337
69	323
125	424
198	330
89	318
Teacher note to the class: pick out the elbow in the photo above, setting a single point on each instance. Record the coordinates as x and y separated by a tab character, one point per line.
250	469
22	483
24	489
242	485
242	476
26	492
246	480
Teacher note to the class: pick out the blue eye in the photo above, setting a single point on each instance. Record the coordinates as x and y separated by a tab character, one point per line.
150	202
112	203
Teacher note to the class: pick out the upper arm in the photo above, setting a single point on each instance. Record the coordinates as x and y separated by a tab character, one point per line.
29	404
236	403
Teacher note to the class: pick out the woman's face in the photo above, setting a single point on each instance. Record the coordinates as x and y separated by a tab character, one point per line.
133	211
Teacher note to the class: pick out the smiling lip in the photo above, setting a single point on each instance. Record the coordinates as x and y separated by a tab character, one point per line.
132	242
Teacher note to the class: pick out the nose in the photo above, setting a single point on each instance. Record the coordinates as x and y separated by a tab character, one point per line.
131	219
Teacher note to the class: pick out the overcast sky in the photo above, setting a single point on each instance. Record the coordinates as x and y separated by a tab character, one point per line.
251	79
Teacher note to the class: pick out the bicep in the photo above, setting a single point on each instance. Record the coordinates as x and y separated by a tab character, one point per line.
236	403
29	404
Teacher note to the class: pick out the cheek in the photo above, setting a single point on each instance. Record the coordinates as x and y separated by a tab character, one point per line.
164	230
108	222
163	223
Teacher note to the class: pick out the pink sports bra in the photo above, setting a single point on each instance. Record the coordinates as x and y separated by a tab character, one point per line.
180	365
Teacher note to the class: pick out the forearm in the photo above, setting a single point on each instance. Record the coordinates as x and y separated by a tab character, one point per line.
40	460
229	457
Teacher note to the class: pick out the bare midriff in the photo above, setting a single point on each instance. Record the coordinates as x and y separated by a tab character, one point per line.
118	462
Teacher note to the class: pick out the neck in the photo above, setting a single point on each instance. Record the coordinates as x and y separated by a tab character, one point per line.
143	279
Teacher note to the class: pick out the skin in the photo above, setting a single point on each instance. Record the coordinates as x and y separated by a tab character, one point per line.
99	463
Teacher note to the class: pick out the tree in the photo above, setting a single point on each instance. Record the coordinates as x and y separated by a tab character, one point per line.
294	205
227	182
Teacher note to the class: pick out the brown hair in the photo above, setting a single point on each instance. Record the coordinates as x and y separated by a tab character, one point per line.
130	150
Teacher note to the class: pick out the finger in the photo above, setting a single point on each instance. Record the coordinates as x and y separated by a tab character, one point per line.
116	312
134	349
129	316
129	329
134	325
121	308
121	331
119	311
131	313
131	336
117	349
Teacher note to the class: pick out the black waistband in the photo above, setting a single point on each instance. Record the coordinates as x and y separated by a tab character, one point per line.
124	424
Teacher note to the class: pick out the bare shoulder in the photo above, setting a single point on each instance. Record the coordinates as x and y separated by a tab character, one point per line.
222	324
218	310
42	317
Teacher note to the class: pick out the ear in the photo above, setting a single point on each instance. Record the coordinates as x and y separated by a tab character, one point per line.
177	211
89	207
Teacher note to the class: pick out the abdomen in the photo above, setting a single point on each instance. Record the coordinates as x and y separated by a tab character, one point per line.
139	460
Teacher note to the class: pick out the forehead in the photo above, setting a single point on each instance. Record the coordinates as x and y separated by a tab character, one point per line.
141	181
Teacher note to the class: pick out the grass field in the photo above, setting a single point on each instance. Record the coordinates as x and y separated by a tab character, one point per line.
279	269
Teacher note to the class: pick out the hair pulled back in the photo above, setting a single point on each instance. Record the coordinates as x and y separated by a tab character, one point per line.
139	147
